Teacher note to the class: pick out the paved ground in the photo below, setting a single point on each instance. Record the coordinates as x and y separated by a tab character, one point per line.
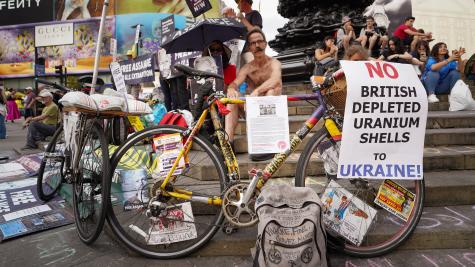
62	247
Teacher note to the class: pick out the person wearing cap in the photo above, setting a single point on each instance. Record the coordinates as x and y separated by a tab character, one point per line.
217	48
345	34
251	19
42	126
29	102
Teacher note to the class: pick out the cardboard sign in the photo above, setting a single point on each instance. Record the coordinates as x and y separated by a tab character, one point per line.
385	122
138	70
198	7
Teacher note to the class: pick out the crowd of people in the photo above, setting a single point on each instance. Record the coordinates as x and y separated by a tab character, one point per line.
437	68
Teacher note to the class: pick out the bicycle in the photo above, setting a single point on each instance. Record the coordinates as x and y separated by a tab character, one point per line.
195	200
82	162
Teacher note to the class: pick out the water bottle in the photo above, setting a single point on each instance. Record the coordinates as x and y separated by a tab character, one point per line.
242	88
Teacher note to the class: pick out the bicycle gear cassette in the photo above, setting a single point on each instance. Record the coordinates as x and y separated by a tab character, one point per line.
235	210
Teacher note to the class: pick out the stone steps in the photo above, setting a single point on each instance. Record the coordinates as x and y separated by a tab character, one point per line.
439	228
433	137
435	120
435	159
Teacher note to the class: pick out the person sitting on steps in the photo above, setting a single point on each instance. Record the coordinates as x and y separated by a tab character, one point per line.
326	56
442	71
263	78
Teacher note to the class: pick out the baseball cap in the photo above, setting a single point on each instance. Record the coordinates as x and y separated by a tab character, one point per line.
45	93
345	19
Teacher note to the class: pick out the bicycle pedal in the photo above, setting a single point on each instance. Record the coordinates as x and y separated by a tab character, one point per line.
229	229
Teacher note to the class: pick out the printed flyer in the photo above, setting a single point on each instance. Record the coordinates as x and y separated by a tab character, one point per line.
167	148
396	199
345	214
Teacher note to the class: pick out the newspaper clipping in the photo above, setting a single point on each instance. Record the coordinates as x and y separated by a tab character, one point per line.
345	214
396	199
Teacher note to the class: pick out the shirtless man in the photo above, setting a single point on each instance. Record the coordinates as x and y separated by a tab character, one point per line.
262	75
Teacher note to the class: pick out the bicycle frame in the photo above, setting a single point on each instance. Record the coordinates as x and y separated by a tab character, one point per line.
259	178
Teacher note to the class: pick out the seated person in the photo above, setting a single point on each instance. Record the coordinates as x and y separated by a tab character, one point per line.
217	48
442	71
42	126
326	56
346	34
470	68
410	35
263	78
396	52
373	35
421	53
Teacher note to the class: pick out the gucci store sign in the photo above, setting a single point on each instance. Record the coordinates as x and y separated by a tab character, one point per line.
56	34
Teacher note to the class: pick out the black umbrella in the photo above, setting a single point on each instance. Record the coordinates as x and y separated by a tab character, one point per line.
200	34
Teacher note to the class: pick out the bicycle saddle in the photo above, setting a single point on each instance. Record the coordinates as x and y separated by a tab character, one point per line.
188	71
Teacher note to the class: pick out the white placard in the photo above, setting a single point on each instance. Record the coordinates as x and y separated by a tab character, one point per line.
267	122
26	212
113	49
56	34
137	34
385	121
119	80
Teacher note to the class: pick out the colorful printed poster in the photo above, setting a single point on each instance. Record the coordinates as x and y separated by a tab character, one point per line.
167	148
178	7
346	214
67	9
134	188
17	50
31	162
151	24
396	199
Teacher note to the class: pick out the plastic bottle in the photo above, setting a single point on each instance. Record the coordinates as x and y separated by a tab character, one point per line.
242	88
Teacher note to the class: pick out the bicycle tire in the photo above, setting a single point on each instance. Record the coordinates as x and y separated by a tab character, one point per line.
370	246
122	222
48	185
91	186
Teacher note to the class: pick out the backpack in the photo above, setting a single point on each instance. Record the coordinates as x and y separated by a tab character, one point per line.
290	230
174	118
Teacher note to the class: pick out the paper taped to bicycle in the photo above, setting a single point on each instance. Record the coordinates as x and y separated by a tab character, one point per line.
385	122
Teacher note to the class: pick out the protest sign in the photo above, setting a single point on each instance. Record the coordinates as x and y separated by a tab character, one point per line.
22	212
31	163
267	122
118	77
168	28
198	7
138	70
385	122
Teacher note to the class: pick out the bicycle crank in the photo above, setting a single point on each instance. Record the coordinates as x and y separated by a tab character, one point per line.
236	211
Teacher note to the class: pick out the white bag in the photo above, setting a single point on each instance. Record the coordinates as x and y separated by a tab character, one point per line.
78	100
137	107
460	97
105	102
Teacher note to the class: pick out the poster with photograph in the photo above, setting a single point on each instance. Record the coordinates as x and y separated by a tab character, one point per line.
346	214
396	199
175	227
84	9
267	123
134	188
389	13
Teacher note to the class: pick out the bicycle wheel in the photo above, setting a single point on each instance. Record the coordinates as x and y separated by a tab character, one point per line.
50	174
386	231
183	226
91	184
